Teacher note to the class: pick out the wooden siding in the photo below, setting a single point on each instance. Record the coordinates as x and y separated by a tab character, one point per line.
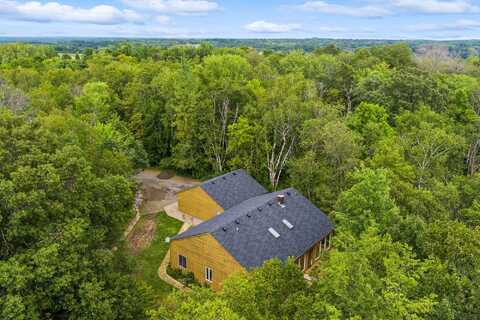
204	251
306	260
196	202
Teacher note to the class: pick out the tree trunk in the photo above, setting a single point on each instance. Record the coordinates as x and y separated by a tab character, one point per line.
472	166
349	99
277	159
219	132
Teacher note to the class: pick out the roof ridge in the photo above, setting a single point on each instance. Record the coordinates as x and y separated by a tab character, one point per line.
254	208
230	215
232	188
224	175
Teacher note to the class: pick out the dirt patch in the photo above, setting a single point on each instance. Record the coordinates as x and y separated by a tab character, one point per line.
142	235
154	193
160	187
167	174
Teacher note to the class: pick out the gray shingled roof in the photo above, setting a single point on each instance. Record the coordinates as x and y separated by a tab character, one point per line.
232	188
243	229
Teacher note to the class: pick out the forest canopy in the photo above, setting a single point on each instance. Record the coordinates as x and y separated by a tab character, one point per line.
384	141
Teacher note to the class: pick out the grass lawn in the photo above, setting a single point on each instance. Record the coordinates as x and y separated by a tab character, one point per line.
149	259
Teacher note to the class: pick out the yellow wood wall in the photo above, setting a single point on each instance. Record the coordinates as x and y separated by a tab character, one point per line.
196	202
204	251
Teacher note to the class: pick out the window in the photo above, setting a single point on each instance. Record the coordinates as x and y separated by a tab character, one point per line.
208	274
182	261
287	223
274	232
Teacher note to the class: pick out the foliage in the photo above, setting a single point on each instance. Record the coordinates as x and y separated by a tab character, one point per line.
386	142
376	272
187	278
64	205
367	203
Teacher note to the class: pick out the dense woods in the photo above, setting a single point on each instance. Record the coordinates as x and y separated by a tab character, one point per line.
385	142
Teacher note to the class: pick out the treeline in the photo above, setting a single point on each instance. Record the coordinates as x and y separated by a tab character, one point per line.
456	48
384	142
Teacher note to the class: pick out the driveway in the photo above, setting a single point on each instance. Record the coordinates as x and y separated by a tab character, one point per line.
159	188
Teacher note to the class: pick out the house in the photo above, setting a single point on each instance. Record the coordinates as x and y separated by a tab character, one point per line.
218	194
250	231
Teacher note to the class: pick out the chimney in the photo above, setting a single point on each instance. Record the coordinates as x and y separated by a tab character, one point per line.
281	199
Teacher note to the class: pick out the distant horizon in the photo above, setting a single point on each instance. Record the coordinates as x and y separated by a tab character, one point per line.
225	38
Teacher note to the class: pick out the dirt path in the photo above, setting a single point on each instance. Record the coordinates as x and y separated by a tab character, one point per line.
159	189
142	235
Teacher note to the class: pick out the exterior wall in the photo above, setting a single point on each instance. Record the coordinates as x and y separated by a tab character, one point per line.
306	260
204	251
197	203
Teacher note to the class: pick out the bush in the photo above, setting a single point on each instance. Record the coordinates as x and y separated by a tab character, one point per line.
186	278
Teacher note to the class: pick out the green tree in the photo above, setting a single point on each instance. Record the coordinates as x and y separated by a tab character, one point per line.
432	145
244	148
331	153
95	103
223	79
65	201
287	104
367	203
371	122
374	277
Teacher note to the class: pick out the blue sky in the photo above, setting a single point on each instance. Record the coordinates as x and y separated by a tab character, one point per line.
372	19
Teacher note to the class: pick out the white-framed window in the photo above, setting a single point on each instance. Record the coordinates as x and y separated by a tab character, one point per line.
208	274
182	261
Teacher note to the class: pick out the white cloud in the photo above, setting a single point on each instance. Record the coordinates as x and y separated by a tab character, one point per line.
174	6
371	11
57	12
268	27
436	6
462	24
117	30
381	8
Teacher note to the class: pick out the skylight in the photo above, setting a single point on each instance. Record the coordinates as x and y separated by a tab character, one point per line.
287	223
274	232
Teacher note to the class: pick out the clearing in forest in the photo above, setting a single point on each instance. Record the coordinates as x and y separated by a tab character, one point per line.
149	257
159	188
146	242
